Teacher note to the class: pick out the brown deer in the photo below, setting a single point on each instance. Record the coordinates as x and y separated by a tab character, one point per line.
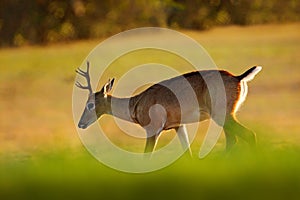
158	108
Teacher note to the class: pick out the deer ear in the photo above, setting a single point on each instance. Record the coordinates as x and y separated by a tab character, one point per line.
108	86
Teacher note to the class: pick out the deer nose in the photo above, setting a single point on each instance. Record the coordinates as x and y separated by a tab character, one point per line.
83	126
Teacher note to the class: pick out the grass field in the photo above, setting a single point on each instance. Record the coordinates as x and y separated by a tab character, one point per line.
41	156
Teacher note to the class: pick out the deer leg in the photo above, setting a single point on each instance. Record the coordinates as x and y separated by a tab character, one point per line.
151	140
150	144
157	116
230	139
228	127
232	127
183	137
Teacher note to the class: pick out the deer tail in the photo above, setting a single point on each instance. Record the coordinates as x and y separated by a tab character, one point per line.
249	74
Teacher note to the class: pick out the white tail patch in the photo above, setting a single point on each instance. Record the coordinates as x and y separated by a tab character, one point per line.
243	95
247	76
251	76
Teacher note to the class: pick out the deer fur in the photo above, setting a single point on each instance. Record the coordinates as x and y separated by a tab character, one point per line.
157	108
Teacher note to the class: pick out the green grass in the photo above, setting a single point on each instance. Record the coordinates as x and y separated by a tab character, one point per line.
41	156
64	174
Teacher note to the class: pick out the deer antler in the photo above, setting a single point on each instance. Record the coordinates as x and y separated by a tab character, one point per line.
86	76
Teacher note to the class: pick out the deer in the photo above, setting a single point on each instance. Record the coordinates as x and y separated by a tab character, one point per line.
157	108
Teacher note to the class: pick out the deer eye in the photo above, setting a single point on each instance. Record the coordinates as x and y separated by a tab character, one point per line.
90	106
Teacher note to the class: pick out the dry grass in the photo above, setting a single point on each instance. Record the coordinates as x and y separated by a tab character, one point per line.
36	84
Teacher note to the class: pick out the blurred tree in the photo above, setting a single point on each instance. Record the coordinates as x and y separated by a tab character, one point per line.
42	21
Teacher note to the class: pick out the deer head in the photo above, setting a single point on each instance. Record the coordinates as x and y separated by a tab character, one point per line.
97	103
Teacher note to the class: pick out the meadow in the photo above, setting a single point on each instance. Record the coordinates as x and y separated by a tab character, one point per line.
41	155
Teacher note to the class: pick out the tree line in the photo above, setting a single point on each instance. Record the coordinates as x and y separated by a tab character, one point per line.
25	22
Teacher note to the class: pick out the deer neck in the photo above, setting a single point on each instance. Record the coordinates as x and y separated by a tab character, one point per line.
120	108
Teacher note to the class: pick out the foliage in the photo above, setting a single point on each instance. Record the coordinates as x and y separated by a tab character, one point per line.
44	21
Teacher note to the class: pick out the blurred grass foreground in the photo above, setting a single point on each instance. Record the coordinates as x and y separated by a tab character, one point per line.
41	156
